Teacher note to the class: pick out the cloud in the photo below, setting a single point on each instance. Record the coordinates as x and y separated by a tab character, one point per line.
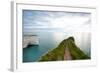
36	20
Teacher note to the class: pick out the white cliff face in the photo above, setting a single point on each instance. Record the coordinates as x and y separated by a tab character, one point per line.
30	40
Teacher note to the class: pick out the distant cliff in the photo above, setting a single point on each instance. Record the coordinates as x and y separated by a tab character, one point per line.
30	40
67	48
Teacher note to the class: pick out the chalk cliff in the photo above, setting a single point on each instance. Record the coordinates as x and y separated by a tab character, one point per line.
30	40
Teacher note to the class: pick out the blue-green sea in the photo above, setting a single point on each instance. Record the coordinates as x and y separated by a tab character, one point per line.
50	40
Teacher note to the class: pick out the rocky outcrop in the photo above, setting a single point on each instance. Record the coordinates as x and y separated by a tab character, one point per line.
66	50
30	40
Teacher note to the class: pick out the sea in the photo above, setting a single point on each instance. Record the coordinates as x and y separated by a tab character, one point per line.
50	40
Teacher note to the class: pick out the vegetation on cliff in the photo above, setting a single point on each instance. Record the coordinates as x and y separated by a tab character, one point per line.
58	53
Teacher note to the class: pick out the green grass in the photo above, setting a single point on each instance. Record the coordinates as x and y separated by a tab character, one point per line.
76	52
58	53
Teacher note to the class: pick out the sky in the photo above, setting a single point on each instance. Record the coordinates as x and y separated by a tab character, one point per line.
39	20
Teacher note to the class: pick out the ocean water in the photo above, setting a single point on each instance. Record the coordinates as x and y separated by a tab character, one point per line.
50	40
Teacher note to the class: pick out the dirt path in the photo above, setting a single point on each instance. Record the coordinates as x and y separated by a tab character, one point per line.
67	55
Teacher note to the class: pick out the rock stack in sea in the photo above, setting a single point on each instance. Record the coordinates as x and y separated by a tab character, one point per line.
30	40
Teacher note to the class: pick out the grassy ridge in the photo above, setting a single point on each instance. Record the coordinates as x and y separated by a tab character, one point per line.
76	52
58	52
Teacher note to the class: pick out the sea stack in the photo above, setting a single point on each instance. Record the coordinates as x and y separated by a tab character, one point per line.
30	40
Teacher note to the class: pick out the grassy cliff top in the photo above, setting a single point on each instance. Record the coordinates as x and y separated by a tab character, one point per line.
58	52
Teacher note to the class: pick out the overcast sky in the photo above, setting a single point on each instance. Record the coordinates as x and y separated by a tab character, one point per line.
35	20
